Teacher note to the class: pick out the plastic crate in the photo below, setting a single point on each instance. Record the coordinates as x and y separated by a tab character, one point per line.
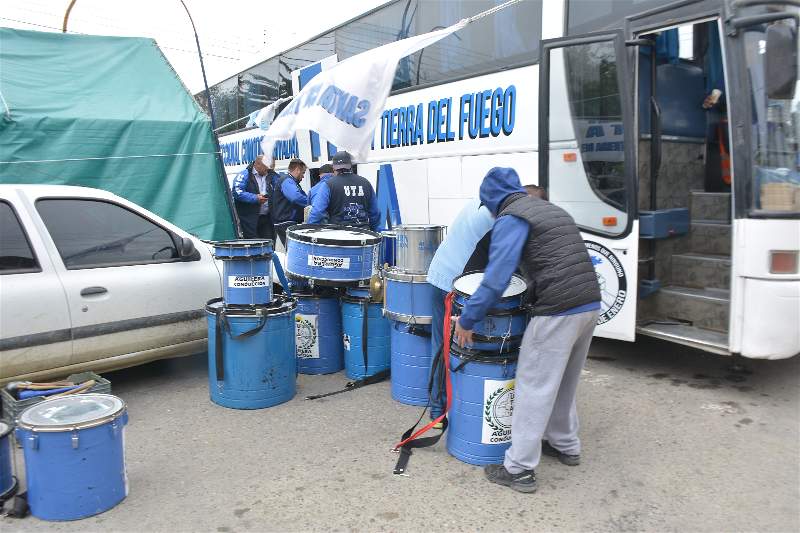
13	407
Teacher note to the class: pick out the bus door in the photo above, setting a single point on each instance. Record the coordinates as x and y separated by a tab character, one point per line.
587	161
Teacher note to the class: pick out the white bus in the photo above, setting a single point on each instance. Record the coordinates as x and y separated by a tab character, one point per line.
690	211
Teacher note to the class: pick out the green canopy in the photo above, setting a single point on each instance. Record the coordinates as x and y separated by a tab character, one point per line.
109	113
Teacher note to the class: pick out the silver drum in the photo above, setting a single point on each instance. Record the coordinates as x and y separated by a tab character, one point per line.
416	244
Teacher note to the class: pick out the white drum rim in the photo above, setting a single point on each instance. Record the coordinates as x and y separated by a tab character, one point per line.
367	236
504	296
407	319
396	274
418	227
59	428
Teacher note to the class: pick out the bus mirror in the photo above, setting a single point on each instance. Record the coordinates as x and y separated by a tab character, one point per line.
780	63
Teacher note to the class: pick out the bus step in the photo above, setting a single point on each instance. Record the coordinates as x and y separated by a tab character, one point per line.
714	206
702	339
701	270
710	237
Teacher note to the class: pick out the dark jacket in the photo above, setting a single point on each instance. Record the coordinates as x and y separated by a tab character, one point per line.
245	196
288	200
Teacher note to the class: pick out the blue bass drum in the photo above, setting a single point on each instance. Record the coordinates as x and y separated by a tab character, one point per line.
332	255
319	334
74	455
251	354
8	482
247	271
408	297
483	399
355	329
503	326
411	363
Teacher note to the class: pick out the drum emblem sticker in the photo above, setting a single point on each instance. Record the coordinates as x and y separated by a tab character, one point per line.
306	336
498	406
245	282
346	339
324	261
612	280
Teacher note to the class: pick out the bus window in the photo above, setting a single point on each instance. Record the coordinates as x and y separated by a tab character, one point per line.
584	16
587	163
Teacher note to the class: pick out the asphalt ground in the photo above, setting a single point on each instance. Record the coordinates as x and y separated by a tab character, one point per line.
673	440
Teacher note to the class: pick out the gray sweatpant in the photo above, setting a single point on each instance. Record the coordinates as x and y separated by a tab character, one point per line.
551	358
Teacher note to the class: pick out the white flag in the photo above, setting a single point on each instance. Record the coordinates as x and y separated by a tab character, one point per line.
264	116
343	103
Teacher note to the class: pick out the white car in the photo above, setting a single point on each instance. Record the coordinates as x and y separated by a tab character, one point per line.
91	281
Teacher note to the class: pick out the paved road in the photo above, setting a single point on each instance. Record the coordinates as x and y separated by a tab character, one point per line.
673	440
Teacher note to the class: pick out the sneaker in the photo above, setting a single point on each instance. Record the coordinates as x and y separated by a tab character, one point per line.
523	482
564	458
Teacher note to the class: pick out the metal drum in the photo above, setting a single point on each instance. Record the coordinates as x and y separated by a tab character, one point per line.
332	255
318	324
251	354
74	455
416	244
411	362
408	297
355	328
483	399
388	248
247	271
8	483
503	326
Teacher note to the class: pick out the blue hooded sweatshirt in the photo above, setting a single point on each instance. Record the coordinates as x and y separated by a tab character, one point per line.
509	235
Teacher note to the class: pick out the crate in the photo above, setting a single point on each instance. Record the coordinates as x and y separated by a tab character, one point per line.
780	197
13	407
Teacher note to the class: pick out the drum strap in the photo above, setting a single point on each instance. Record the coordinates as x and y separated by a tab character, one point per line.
409	439
365	332
281	276
414	329
222	323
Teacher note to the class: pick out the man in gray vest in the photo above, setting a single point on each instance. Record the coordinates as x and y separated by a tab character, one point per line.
564	296
346	199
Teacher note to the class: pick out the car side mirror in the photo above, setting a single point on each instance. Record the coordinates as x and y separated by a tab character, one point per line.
780	63
187	250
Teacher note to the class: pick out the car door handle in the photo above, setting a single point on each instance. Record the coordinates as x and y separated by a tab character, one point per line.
89	291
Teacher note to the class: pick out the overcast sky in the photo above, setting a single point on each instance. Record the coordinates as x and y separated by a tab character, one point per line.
234	34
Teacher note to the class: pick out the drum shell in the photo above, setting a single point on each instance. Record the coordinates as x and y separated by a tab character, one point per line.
378	338
247	271
259	371
416	246
330	351
411	362
74	474
473	384
409	298
500	330
361	262
8	482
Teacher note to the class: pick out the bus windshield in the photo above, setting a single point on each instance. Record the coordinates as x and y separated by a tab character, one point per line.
775	127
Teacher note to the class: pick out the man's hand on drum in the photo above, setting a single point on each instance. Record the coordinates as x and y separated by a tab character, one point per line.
463	336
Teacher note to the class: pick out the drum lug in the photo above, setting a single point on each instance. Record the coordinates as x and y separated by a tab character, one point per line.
114	429
34	441
75	440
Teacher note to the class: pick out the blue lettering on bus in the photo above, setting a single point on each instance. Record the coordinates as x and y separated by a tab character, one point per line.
485	112
432	111
496	114
509	109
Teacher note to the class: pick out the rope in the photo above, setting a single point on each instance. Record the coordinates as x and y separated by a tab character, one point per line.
492	11
104	158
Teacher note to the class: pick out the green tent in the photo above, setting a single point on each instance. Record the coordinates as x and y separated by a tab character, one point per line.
109	113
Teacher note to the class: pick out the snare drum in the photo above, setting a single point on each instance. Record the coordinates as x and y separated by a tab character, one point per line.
74	455
416	245
332	255
247	271
408	298
503	326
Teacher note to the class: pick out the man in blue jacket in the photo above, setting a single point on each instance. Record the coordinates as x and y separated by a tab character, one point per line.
346	199
325	173
543	241
251	197
288	199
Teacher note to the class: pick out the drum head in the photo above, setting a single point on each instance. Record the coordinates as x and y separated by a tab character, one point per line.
469	283
332	235
244	243
80	410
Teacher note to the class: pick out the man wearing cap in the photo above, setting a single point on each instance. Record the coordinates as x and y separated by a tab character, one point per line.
346	199
542	240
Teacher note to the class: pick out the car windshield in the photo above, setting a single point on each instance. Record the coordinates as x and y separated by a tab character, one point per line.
775	127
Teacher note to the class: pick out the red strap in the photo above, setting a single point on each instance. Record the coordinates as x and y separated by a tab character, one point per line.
446	330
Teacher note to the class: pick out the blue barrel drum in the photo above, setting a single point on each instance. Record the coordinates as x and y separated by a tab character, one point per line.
74	455
327	255
251	354
505	323
8	483
355	307
247	271
318	325
483	399
408	297
411	362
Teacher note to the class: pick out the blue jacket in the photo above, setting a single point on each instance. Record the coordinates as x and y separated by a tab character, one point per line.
320	198
468	228
289	201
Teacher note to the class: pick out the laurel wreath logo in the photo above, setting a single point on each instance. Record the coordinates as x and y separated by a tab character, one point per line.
487	410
